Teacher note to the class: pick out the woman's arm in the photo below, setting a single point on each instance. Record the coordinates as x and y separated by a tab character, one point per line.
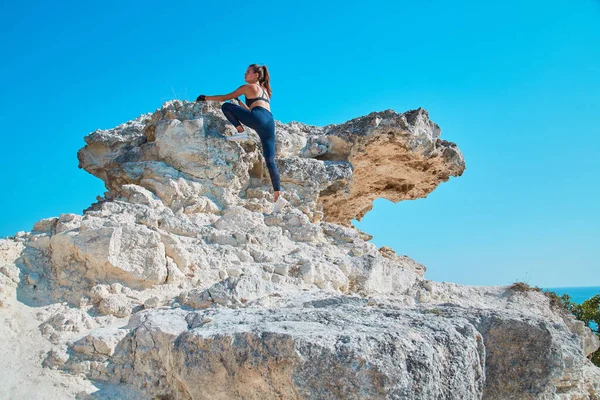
236	93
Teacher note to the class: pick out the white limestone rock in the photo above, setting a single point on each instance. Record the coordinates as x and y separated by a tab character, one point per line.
297	304
128	253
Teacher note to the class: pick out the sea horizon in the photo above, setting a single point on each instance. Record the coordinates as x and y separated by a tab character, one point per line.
578	294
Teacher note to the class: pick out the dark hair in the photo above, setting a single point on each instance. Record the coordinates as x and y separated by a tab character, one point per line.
263	77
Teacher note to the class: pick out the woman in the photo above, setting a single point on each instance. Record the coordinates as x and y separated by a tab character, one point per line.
256	114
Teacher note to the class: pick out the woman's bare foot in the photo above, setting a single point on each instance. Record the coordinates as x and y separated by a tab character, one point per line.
277	193
240	129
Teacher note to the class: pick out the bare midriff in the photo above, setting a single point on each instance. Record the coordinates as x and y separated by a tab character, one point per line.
261	103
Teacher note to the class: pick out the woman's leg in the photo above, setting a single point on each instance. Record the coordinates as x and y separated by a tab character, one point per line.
262	122
238	115
269	154
267	138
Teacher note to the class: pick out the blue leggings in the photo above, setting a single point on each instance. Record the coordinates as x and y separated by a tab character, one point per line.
261	120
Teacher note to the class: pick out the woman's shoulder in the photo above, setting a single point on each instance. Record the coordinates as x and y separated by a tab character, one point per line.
253	89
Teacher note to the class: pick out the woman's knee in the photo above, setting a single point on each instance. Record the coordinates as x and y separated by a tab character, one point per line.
230	113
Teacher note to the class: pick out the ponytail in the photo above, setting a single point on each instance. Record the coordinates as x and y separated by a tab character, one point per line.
267	81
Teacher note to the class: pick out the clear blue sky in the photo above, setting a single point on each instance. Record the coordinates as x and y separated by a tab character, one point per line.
515	84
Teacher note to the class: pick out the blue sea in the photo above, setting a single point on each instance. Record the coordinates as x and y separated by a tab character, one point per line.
578	294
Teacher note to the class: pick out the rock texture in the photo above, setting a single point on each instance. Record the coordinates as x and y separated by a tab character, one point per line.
180	283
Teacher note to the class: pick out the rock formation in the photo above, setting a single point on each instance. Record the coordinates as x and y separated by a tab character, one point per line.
180	283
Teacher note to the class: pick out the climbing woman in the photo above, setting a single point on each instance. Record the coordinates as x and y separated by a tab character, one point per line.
256	114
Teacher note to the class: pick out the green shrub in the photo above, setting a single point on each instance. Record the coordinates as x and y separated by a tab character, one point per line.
588	312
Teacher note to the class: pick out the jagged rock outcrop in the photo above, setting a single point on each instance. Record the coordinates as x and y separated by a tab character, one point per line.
336	169
180	283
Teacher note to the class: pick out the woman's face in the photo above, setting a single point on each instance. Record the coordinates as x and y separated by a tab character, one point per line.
250	76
